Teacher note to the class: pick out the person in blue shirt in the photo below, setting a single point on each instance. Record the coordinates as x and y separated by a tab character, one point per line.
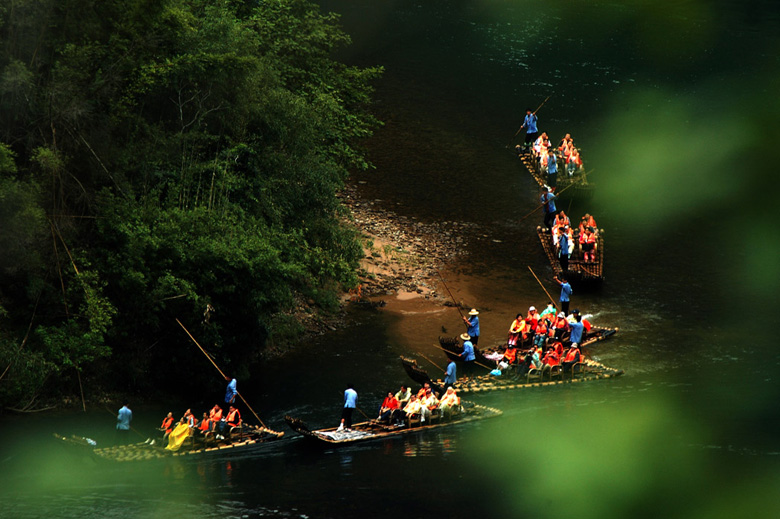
231	391
450	375
467	354
552	168
123	423
548	199
530	124
576	329
563	248
472	323
350	403
566	292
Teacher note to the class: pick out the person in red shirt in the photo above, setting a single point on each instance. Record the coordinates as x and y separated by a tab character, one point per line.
167	424
389	406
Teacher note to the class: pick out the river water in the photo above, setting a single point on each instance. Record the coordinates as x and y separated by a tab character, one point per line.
673	106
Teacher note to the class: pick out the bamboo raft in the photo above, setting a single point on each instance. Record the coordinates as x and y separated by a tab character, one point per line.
579	270
373	430
583	371
250	438
452	346
581	190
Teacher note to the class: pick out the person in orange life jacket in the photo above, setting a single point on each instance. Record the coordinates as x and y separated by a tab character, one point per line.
532	319
560	326
167	424
509	358
588	245
561	219
189	418
572	357
205	424
542	332
217	421
233	417
566	292
516	330
551	358
548	199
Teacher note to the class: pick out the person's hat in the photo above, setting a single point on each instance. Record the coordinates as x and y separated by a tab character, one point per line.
531	308
575	345
465	336
561	314
473	312
575	311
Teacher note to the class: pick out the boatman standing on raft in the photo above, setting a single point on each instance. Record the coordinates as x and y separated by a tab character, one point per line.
123	419
472	323
565	294
467	354
350	403
231	391
531	131
450	375
548	199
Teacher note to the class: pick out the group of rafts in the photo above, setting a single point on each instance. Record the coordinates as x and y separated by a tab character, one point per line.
584	257
538	352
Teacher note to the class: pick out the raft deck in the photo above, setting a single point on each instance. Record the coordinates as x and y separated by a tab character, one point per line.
584	371
579	270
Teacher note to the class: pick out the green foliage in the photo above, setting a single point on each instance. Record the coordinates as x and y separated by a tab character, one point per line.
168	158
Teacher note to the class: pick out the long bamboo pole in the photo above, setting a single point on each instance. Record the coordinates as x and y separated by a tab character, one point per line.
457	306
429	360
533	113
475	362
559	194
540	284
220	372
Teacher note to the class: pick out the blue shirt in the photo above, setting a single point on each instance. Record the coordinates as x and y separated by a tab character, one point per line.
450	376
473	326
576	331
552	165
563	241
530	123
468	351
231	392
350	398
549	199
565	291
123	419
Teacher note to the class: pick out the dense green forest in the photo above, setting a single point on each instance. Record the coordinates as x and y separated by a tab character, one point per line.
164	159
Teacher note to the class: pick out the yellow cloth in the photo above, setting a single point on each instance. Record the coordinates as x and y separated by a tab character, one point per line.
177	436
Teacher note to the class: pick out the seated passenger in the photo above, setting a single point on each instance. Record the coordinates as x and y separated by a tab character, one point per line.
572	357
509	358
218	424
388	407
429	403
205	425
167	424
561	219
574	162
560	326
233	417
532	319
189	419
423	390
403	396
551	358
548	312
588	245
516	330
413	408
450	402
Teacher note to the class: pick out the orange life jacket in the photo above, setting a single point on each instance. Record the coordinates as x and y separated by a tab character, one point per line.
571	355
205	425
518	326
215	416
561	323
551	358
166	423
510	355
233	418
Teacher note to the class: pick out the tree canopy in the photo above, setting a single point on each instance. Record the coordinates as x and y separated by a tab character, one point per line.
164	159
